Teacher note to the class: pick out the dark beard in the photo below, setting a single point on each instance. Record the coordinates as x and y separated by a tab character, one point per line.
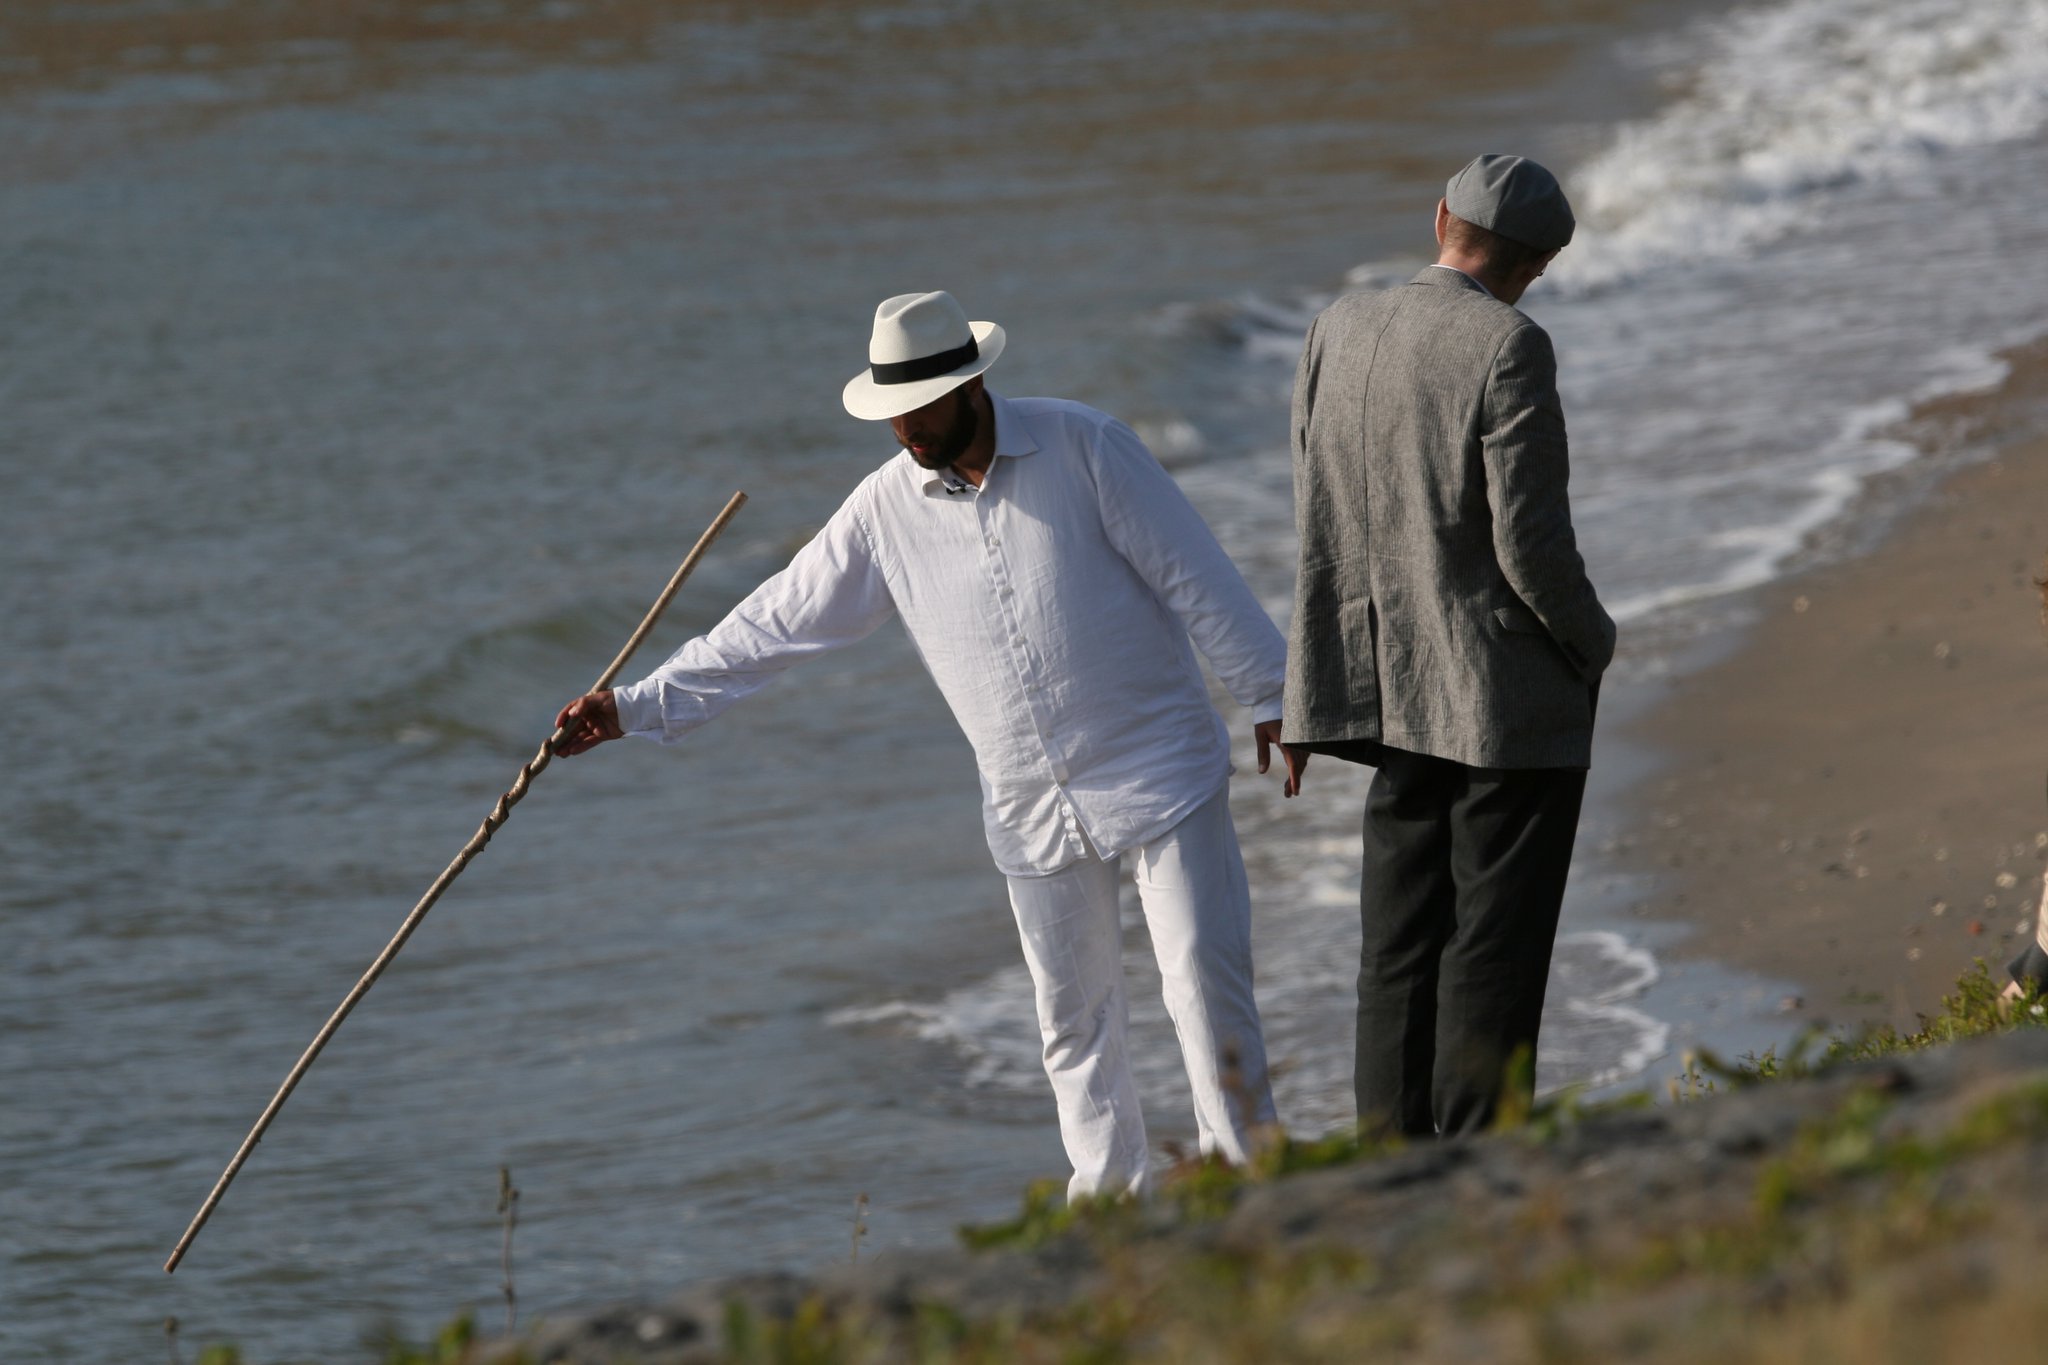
954	443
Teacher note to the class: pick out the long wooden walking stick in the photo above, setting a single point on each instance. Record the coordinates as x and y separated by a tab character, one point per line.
499	814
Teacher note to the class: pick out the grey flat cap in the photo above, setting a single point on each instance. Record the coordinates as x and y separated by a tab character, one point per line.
1515	197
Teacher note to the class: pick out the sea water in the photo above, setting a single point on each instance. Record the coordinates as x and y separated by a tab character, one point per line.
357	402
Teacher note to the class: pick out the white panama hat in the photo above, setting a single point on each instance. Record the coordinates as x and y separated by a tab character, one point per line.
923	346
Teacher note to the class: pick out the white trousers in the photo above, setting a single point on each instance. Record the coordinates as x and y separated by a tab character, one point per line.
1197	905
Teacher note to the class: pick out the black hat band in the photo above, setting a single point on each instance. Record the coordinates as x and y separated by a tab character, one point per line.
925	366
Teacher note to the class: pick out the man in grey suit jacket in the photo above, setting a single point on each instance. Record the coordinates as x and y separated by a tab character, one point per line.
1445	632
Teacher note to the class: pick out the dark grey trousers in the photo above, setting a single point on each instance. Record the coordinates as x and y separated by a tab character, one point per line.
1464	876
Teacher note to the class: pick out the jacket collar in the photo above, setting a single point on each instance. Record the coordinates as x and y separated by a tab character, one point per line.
1450	276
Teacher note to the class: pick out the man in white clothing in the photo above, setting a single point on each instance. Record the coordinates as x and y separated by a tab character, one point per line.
1050	574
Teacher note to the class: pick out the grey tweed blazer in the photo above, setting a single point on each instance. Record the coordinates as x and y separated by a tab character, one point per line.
1441	606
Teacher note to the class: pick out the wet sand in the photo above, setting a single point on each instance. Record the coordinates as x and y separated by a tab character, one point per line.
1852	798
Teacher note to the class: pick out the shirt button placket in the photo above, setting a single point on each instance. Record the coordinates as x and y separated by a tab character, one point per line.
1034	694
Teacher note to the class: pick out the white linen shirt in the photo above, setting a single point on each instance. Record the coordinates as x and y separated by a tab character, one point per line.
1053	606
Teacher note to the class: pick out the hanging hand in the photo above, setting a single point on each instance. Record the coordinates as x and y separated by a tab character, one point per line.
1267	732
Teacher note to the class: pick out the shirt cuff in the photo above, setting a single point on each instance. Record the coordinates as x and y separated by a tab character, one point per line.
639	707
1269	707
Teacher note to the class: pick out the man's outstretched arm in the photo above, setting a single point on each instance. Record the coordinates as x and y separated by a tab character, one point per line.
831	595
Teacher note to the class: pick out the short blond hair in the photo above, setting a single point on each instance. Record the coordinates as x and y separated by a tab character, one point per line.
1504	255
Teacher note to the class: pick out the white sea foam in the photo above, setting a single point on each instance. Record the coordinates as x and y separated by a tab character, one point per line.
987	1024
1307	961
1754	555
1627	970
1783	106
1594	1037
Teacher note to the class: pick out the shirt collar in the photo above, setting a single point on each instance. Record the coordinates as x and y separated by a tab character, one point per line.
1013	437
1439	265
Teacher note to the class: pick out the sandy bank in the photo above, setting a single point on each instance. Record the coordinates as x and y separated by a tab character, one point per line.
1852	799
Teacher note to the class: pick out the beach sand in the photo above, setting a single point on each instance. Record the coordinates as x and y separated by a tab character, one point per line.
1852	797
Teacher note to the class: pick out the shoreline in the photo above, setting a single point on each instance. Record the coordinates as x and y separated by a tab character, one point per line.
1847	791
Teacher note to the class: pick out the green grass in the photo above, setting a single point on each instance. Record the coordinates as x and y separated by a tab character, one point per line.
1975	1010
1198	1188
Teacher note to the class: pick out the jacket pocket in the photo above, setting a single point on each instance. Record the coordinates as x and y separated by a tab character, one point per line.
1520	620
